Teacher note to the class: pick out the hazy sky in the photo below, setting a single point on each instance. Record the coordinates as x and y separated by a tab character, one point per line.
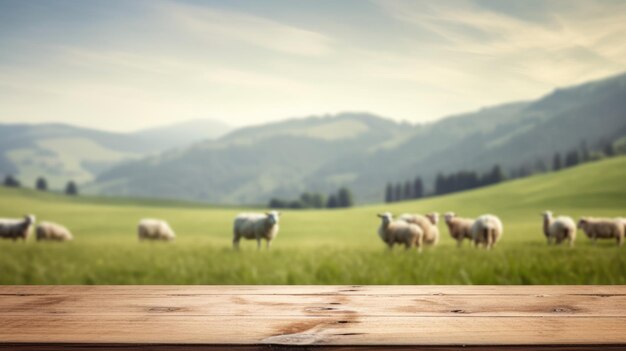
124	65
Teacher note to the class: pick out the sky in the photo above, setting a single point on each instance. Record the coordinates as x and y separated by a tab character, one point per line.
133	64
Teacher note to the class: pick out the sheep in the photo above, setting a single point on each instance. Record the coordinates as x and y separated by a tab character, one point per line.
428	224
487	230
603	228
256	226
623	220
53	231
400	232
16	228
154	229
459	228
558	229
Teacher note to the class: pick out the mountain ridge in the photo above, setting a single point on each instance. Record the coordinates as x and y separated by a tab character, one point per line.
317	153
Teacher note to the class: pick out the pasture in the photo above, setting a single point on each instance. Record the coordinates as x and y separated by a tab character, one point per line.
323	246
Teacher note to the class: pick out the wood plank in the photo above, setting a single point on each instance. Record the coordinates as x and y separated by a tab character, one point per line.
144	290
341	330
249	317
316	305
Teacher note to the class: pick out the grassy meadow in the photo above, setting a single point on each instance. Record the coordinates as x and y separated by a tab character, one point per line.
323	246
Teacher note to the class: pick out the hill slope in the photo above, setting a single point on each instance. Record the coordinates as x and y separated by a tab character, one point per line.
249	164
61	152
364	151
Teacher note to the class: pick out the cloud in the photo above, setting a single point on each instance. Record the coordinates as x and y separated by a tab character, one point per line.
580	41
213	24
161	61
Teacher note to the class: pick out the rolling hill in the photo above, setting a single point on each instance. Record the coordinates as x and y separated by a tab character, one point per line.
364	152
62	152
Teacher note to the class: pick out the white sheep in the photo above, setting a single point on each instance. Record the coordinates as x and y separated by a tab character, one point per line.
487	230
16	228
154	229
558	229
52	231
603	228
256	226
400	232
428	224
459	228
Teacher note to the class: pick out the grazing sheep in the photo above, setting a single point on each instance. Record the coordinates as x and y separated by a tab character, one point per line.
53	231
486	230
603	228
256	226
154	229
16	228
400	232
558	229
428	224
459	228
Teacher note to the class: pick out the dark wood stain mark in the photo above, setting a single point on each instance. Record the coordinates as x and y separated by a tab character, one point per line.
565	309
37	304
49	301
318	309
166	309
303	326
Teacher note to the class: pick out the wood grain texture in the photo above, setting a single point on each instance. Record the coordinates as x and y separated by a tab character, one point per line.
323	317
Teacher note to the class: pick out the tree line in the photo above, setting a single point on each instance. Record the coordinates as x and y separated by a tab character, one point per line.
467	179
41	184
341	199
404	191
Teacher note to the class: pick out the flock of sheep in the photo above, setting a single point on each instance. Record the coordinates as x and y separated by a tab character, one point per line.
247	226
148	229
414	230
410	230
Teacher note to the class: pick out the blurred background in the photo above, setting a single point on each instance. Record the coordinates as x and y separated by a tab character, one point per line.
331	112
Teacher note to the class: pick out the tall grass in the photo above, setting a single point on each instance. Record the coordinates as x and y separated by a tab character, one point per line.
323	246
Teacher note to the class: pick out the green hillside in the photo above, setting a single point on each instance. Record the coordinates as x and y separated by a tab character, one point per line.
62	152
323	246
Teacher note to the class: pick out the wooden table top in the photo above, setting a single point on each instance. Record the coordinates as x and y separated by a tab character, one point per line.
331	317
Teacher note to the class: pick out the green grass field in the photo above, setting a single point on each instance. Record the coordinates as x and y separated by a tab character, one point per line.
323	246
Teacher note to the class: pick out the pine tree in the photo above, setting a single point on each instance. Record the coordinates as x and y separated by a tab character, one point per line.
71	188
389	193
41	184
418	188
556	163
408	190
344	197
277	203
12	182
398	192
332	201
572	159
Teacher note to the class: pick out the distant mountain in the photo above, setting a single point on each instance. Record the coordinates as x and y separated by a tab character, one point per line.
61	152
364	152
251	163
184	133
